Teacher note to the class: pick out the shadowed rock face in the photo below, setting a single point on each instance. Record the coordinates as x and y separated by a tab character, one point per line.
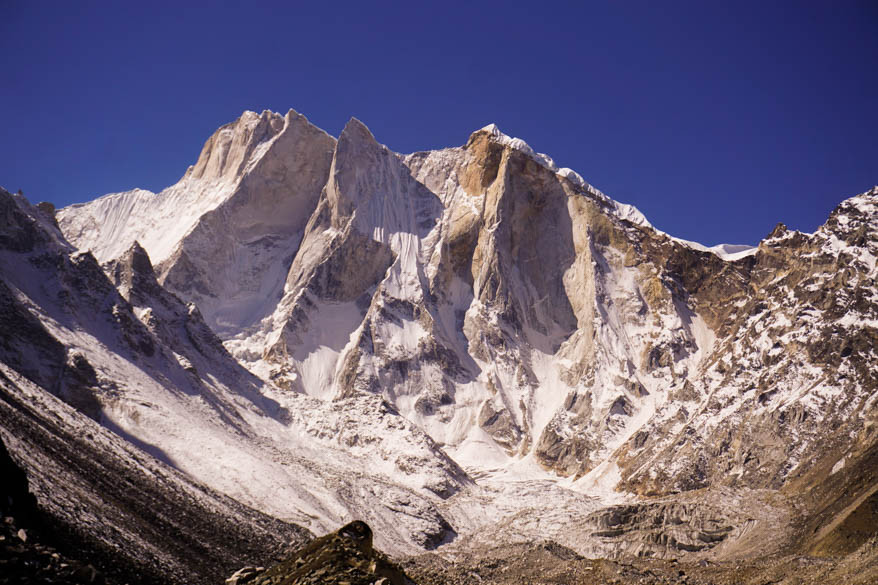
344	556
26	345
15	498
19	231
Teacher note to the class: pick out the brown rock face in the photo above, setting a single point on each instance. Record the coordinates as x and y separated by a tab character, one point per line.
344	556
799	305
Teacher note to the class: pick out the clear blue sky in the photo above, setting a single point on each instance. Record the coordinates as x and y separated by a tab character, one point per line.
717	119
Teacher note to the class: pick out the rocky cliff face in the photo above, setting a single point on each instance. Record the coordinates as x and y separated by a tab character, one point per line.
468	287
451	343
795	324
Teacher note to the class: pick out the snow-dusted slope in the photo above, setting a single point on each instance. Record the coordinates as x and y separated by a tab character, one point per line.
792	360
477	308
143	364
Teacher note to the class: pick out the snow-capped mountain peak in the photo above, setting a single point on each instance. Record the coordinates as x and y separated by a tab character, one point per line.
461	340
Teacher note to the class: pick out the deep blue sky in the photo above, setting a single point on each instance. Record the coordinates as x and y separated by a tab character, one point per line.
716	119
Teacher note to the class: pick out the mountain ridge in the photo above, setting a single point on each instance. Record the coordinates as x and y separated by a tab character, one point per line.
453	344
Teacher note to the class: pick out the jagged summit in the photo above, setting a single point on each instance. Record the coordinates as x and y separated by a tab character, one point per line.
518	144
231	147
220	234
622	210
355	125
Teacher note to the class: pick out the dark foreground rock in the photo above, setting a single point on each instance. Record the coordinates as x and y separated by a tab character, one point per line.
344	557
26	558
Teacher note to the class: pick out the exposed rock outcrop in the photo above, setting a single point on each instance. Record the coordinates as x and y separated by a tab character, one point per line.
342	557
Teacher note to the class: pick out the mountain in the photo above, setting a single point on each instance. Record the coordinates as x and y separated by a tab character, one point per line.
230	211
462	347
71	344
